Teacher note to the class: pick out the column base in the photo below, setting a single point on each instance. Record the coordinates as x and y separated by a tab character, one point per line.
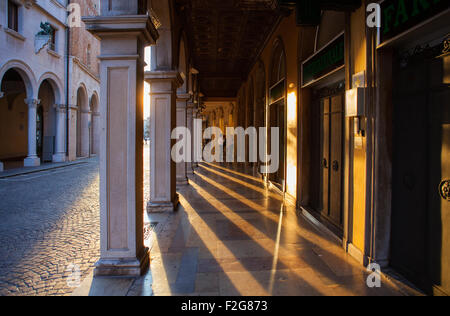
163	207
182	182
123	267
59	157
32	162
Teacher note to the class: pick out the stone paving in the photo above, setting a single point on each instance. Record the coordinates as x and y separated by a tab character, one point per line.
49	221
231	236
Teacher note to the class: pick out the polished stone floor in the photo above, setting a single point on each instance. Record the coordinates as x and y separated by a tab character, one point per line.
232	236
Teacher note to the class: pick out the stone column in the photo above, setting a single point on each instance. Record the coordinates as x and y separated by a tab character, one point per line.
123	39
190	126
72	146
32	160
60	147
85	134
163	85
95	126
196	138
182	100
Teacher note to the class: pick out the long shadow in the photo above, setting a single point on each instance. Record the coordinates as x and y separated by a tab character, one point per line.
325	270
251	265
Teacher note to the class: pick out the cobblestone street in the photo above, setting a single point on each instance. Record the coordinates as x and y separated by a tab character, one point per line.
50	221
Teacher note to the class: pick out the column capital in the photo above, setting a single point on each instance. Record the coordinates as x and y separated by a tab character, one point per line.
60	108
111	26
183	97
32	103
164	76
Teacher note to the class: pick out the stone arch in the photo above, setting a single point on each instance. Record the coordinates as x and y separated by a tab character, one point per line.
48	94
15	87
56	85
25	72
95	124
83	122
277	70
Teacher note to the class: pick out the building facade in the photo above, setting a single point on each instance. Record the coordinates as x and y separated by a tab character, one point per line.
362	112
37	66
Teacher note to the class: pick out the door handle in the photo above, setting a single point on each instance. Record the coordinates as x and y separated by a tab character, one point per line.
444	190
325	163
336	165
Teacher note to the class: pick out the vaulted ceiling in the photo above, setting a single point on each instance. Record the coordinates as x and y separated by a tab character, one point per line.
225	38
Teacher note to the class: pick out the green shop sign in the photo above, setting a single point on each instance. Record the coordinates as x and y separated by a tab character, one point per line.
399	16
325	61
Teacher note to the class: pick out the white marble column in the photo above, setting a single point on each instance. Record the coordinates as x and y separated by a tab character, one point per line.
95	126
123	39
182	100
85	136
197	148
32	160
190	126
60	143
163	85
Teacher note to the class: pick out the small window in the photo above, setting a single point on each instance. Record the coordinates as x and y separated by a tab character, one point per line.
53	40
13	16
88	56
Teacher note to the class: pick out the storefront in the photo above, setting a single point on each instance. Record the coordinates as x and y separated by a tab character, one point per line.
414	47
323	80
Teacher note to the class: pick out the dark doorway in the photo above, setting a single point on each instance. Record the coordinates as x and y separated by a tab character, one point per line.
327	156
277	119
40	131
421	171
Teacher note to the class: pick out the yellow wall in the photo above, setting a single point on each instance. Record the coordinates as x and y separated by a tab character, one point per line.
358	62
13	128
287	31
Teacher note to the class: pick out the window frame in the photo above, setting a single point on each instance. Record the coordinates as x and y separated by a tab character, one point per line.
15	24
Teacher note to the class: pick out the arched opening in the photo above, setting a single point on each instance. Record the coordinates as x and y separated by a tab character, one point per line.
94	128
83	123
277	111
13	120
46	123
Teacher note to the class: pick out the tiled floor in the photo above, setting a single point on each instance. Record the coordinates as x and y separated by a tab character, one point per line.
231	236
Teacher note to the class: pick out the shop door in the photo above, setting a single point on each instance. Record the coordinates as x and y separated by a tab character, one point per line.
439	182
421	175
332	162
277	119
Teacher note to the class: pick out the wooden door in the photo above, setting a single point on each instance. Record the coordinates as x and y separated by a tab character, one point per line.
336	164
332	133
420	243
325	103
439	181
